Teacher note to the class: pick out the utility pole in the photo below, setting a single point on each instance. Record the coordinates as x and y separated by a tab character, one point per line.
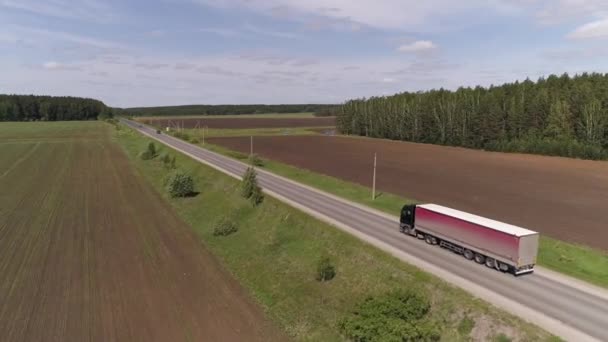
251	147
203	136
374	179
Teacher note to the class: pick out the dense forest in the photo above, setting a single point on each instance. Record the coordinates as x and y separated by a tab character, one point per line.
48	108
223	109
557	115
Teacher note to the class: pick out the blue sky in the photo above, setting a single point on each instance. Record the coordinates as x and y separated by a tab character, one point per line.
145	53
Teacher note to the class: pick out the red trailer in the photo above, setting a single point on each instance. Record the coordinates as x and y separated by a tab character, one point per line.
496	244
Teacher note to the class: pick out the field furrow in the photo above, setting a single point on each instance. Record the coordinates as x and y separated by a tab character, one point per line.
89	252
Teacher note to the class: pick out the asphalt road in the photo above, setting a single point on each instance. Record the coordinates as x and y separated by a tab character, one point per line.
566	308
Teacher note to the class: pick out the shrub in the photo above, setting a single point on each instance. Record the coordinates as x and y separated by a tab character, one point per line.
152	150
257	197
180	184
182	135
396	316
466	326
249	182
255	160
250	188
325	270
502	338
149	153
165	159
225	227
145	155
194	140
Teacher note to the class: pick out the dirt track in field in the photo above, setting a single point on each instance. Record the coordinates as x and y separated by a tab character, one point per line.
242	123
89	252
563	198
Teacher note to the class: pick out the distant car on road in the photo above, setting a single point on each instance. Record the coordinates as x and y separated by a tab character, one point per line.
158	131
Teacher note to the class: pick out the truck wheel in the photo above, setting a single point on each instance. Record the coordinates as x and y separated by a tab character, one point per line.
468	254
490	262
503	267
480	259
428	239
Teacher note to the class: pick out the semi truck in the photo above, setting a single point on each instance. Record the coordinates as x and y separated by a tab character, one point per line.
498	245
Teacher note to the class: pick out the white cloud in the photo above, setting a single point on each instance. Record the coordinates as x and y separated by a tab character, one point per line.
44	36
219	31
52	65
383	14
389	80
595	29
271	33
418	46
557	11
84	10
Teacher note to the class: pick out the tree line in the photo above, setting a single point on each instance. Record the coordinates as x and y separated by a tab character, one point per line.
223	109
558	115
48	108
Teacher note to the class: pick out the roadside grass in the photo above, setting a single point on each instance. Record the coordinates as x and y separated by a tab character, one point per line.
233	116
578	261
274	254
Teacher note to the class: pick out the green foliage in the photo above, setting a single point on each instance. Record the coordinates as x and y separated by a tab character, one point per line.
172	164
182	135
257	196
466	326
152	152
249	182
225	227
48	108
502	338
397	316
255	160
224	109
145	155
325	270
565	116
149	153
250	188
551	147
165	158
180	184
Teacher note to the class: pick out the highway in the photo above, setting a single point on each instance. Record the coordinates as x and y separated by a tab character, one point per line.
563	306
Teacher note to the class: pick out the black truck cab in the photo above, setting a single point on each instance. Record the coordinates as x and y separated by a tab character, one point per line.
407	218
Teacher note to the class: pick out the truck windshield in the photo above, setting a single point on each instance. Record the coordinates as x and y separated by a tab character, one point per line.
406	214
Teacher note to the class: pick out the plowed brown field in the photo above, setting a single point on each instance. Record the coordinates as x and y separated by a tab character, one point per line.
89	252
563	198
242	122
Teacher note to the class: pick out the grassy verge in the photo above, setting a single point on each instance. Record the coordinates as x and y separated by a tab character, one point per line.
274	255
574	260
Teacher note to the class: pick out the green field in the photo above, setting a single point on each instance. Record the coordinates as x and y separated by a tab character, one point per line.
275	251
574	260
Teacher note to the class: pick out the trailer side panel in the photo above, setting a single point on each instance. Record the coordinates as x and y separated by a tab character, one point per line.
459	231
